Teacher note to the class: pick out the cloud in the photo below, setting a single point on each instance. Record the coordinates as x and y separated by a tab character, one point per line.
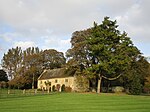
59	16
24	45
49	23
9	36
135	21
1	48
54	42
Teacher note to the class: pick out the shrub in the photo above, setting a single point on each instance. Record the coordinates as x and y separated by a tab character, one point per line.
146	89
135	87
3	84
118	89
82	83
68	89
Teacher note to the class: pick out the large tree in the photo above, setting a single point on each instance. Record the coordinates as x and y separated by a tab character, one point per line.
104	51
112	51
78	55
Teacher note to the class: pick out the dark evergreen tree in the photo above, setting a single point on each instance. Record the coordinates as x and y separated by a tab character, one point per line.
3	76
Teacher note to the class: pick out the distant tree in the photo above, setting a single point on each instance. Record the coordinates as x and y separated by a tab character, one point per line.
24	67
147	85
53	59
135	77
12	61
31	66
3	76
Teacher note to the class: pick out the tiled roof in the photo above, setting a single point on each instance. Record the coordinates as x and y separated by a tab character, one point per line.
54	73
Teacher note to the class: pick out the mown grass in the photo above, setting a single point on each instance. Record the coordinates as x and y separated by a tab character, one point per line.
76	102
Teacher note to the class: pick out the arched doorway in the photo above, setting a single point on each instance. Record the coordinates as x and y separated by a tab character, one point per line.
53	88
58	87
63	88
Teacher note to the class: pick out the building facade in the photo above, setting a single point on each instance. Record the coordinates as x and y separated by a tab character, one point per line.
56	80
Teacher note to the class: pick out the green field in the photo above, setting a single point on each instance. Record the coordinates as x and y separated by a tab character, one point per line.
76	102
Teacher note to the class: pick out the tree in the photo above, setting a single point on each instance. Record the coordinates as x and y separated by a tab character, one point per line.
24	67
31	66
103	51
112	51
136	76
3	76
12	61
53	59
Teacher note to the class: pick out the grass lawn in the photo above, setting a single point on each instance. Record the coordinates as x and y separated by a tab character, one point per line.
76	102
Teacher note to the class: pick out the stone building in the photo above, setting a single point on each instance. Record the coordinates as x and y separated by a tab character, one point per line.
56	80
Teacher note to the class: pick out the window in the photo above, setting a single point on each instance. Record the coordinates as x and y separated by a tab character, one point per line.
48	83
66	80
56	81
41	82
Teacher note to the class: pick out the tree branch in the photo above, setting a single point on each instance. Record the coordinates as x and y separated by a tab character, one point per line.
114	78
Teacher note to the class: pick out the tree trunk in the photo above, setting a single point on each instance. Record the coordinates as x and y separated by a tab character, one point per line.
33	82
99	84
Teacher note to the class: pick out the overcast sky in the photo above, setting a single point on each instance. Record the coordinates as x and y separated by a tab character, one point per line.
49	23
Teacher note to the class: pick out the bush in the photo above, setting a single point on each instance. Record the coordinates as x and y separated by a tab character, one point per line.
82	83
135	87
118	89
146	89
68	89
3	84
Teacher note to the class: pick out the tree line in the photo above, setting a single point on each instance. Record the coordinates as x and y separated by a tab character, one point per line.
102	54
24	67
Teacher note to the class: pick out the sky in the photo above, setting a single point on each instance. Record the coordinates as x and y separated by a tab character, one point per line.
49	24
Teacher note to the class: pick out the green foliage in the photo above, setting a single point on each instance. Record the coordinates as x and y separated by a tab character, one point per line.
103	51
24	67
136	86
53	59
112	51
3	84
11	61
82	83
78	55
3	76
147	82
135	77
